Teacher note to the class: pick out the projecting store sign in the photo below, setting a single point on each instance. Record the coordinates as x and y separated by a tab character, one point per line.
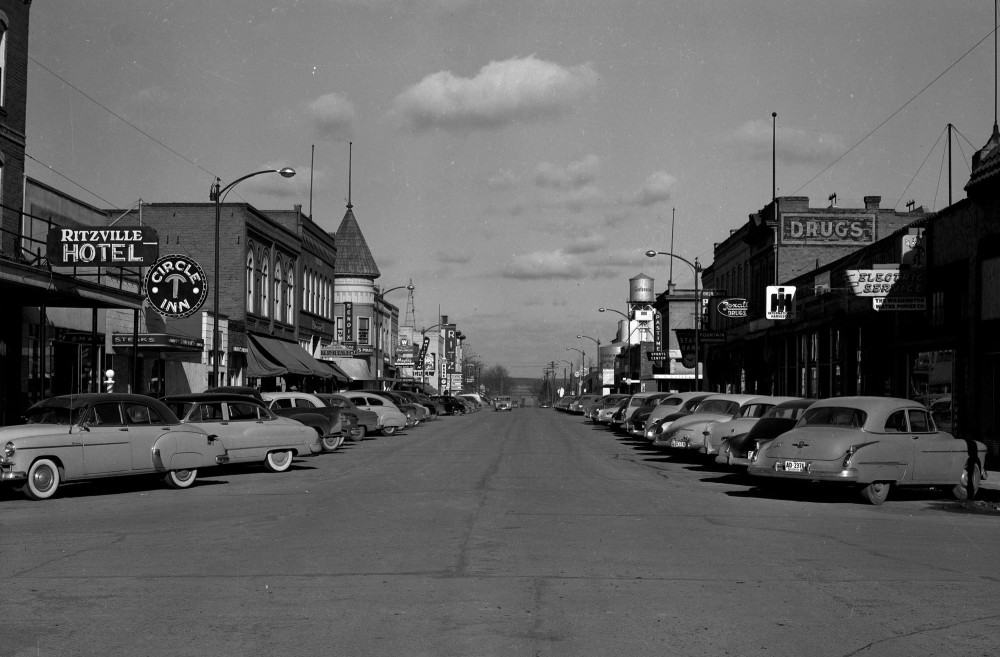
735	307
102	247
176	286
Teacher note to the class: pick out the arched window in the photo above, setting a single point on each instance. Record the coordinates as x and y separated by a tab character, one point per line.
265	310
279	304
4	26
250	282
290	297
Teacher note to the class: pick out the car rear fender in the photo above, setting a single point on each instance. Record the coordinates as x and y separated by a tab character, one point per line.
182	449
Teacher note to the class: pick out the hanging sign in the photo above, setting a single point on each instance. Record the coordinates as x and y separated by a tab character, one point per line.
176	286
102	247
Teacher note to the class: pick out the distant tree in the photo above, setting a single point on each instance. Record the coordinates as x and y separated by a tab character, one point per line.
497	380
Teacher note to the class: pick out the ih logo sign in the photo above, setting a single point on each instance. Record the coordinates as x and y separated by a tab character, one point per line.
780	302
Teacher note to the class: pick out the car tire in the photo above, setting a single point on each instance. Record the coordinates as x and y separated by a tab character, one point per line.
43	480
359	433
331	443
961	491
180	478
388	430
876	492
279	460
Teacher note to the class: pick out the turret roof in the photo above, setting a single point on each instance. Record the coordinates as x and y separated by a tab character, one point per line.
354	258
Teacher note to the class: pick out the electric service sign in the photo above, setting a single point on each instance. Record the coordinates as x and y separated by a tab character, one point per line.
102	247
176	286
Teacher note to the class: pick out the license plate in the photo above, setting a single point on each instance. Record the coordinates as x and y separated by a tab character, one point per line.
795	466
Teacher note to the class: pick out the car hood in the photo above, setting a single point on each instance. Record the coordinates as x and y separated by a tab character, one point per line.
31	430
817	443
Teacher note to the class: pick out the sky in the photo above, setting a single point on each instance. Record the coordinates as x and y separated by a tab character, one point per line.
513	158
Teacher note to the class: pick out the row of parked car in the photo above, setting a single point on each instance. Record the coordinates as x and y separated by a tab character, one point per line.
871	443
93	435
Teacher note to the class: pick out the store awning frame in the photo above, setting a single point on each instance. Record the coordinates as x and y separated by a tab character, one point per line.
268	357
354	368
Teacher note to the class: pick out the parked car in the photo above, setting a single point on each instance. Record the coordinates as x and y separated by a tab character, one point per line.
391	418
310	410
249	431
366	422
421	401
415	413
873	443
750	413
637	401
688	433
580	404
737	450
663	416
92	435
608	408
662	405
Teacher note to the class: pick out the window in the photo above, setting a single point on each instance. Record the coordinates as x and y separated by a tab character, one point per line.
279	304
340	329
242	411
106	414
250	282
265	282
290	298
896	423
4	23
141	414
363	324
920	421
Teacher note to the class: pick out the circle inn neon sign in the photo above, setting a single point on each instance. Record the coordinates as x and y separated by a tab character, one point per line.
176	286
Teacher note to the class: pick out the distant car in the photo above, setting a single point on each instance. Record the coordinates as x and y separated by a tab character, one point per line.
392	419
247	429
309	409
738	450
92	435
366	422
873	443
451	405
502	403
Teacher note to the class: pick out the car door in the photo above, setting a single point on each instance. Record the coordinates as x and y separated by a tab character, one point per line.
145	426
938	458
899	444
248	431
107	447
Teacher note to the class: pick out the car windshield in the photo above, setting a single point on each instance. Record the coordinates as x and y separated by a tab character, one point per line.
834	416
721	406
54	415
755	410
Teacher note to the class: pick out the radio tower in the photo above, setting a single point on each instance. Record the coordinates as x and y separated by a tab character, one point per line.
410	319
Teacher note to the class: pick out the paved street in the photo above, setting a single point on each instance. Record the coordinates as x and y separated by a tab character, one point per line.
493	534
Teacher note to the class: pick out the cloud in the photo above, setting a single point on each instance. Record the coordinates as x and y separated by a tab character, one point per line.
332	115
503	179
655	189
573	175
502	93
587	244
541	265
453	257
753	140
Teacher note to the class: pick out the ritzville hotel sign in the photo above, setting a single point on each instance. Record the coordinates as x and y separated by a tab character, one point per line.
102	247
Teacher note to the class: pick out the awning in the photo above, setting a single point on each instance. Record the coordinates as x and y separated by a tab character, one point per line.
355	368
271	357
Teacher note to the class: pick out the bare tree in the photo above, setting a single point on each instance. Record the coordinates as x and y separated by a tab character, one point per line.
497	380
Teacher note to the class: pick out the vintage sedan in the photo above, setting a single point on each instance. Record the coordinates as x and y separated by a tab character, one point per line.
92	435
310	410
750	413
247	429
366	421
664	415
874	443
688	433
737	450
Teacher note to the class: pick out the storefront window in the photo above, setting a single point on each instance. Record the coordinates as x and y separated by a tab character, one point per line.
931	382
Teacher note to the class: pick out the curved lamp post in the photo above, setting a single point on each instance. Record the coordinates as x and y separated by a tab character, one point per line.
697	269
217	194
598	343
568	362
583	366
602	309
378	327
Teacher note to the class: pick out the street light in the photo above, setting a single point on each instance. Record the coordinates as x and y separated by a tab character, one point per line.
582	367
598	343
697	269
217	194
602	309
378	327
570	363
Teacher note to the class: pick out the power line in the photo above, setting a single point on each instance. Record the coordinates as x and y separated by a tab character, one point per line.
70	180
897	111
118	116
